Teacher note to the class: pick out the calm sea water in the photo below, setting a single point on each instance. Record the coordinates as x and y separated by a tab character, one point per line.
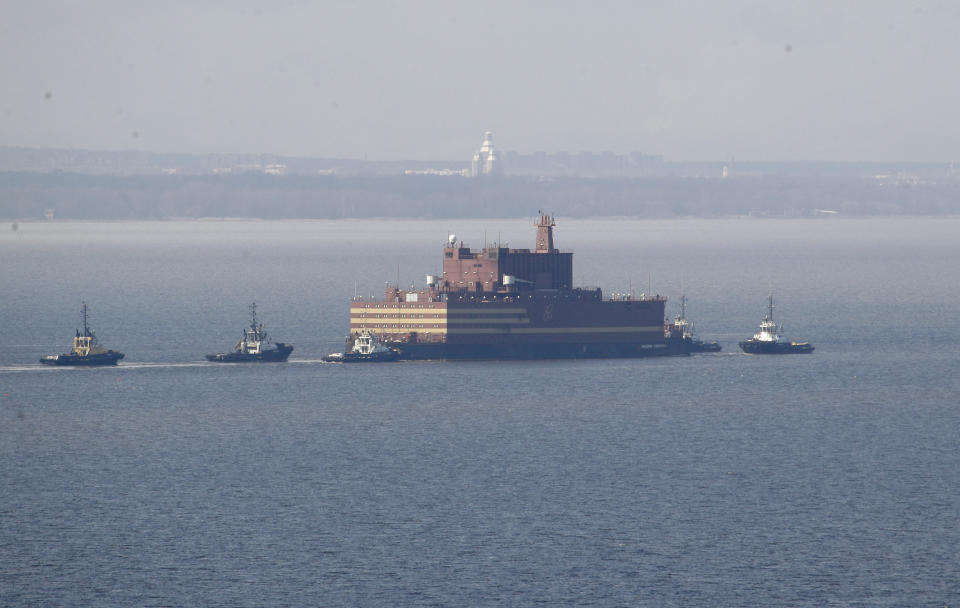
713	480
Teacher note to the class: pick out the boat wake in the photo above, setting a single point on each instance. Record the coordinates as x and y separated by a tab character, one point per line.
39	367
135	365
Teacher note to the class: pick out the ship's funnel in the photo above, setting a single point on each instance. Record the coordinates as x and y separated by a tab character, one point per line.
545	234
451	240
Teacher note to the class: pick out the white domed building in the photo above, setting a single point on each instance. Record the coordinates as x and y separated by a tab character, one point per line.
485	161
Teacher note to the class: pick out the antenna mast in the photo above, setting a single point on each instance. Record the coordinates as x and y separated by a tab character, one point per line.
83	316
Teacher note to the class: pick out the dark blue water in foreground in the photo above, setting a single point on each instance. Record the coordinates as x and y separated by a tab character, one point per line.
828	479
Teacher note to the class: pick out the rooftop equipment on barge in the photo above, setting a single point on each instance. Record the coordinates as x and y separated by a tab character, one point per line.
86	349
502	303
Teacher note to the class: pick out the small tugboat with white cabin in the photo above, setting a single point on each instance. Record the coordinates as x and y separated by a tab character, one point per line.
768	340
254	346
365	348
86	349
681	330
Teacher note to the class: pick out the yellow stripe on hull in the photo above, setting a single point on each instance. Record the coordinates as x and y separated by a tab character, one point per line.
438	311
445	322
399	330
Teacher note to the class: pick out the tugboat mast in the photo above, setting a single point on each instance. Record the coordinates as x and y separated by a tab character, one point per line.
83	318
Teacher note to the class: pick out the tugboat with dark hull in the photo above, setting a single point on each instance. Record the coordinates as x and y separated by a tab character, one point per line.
254	346
768	340
681	333
86	350
364	348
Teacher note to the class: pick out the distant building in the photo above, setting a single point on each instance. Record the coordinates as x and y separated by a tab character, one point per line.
485	161
443	172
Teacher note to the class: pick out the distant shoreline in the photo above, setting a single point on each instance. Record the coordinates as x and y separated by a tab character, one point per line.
62	196
488	221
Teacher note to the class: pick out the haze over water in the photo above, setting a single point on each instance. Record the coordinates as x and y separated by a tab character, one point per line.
824	479
830	81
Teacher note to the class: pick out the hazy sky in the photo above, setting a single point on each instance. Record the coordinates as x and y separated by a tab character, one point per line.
692	80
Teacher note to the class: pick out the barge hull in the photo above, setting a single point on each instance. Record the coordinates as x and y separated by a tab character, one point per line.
427	351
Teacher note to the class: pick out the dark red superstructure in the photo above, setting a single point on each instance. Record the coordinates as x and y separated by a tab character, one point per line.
501	303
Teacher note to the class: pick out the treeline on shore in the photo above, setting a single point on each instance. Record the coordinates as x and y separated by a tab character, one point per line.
88	197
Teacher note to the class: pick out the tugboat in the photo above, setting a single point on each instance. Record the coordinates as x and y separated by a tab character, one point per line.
366	349
681	332
86	349
768	341
253	345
